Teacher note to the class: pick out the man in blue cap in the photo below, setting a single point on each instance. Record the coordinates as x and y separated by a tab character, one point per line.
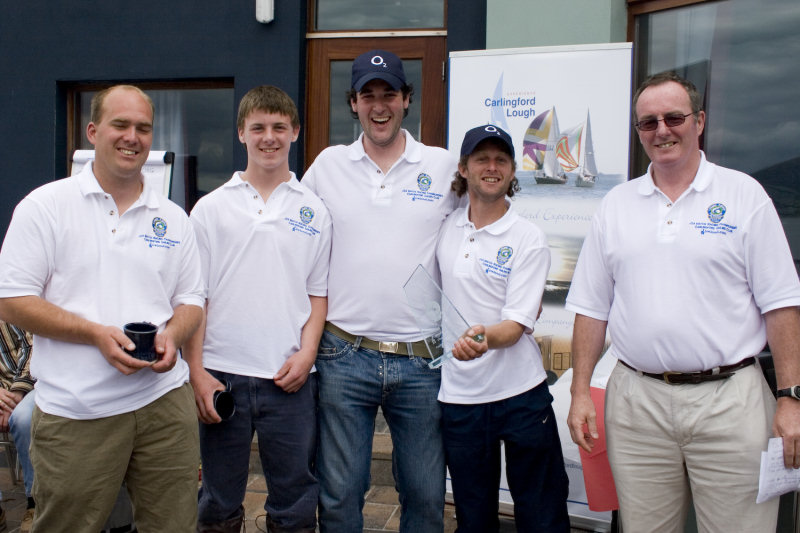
388	196
494	264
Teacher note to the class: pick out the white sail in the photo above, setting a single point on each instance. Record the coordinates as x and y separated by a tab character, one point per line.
539	149
587	173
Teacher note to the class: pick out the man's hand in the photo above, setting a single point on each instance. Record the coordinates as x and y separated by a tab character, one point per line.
294	372
167	353
9	400
110	341
786	424
467	348
204	385
4	416
582	420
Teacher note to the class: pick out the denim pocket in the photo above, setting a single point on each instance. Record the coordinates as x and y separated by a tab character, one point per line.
422	364
332	347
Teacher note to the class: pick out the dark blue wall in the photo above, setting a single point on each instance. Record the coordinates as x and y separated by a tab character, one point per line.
45	44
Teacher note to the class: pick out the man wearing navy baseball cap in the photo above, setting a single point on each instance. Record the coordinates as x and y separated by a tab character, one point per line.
388	195
494	264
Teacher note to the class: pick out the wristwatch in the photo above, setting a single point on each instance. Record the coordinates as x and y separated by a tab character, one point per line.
794	392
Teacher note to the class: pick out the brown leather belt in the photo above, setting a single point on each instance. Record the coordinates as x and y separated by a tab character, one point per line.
680	378
418	348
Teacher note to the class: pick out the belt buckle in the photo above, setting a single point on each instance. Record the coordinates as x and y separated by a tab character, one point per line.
666	376
388	347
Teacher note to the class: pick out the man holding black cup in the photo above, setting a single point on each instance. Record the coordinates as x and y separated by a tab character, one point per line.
264	242
83	256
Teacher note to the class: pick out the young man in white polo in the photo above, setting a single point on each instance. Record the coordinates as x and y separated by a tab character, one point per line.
264	242
494	265
388	196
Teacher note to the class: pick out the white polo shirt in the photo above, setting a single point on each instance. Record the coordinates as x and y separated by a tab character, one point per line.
384	225
67	244
683	286
493	274
260	263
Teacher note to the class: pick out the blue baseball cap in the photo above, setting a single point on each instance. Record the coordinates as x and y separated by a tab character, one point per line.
476	135
380	65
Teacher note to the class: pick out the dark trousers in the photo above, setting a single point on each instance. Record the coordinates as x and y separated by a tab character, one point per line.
534	464
287	435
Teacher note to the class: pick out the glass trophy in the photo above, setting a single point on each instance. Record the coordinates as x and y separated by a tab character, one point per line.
435	314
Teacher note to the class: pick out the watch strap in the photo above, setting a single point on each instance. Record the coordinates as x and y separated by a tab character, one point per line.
792	392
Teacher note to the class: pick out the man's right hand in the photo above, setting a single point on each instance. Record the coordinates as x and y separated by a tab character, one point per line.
204	385
110	340
582	420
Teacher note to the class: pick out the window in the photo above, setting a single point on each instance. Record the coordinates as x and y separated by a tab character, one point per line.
377	14
195	120
742	55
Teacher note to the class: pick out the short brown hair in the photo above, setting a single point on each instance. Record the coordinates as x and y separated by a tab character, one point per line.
270	99
695	100
96	108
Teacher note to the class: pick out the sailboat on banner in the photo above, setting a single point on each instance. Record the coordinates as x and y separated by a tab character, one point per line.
576	153
539	149
497	118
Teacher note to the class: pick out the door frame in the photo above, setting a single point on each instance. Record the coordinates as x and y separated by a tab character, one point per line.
431	50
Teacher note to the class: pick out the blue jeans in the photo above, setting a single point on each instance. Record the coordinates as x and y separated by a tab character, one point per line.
534	463
353	383
287	435
20	428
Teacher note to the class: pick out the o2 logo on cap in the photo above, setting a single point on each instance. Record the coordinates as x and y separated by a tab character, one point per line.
379	62
306	214
504	254
424	182
159	226
716	212
491	129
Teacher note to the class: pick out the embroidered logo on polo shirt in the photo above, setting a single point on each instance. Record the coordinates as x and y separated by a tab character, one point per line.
306	214
497	267
158	239
422	193
504	254
301	225
159	226
716	212
424	182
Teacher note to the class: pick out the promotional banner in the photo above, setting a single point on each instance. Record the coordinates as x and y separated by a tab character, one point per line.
567	110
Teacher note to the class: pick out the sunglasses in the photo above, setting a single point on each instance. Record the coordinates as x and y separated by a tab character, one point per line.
671	120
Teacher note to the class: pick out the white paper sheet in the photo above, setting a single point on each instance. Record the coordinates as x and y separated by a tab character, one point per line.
775	478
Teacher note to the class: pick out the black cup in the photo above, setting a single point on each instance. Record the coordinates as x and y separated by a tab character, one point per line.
143	335
223	402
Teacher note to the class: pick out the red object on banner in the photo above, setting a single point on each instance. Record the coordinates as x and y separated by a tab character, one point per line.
600	490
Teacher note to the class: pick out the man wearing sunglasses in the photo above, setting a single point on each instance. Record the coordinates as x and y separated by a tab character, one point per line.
689	269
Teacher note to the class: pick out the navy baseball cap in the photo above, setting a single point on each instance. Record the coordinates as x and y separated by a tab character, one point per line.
474	137
380	65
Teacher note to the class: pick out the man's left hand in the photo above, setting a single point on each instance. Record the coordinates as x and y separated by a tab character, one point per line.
294	372
786	424
467	347
167	353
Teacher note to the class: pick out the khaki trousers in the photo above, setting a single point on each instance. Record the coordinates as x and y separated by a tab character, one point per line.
668	444
79	466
